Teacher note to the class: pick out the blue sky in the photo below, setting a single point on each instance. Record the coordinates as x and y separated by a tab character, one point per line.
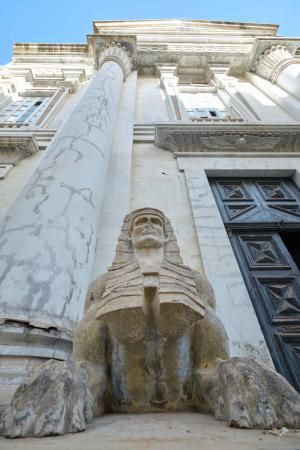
70	20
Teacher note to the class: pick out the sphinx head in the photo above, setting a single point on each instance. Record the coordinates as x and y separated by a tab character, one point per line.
148	229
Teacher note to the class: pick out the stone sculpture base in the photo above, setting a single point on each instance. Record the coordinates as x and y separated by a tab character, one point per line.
56	399
248	394
53	400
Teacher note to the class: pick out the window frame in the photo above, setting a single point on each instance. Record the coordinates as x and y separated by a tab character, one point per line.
225	114
49	98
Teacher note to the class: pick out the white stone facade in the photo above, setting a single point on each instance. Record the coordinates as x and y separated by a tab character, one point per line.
141	115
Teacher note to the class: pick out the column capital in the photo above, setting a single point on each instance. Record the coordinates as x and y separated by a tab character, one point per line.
114	51
270	64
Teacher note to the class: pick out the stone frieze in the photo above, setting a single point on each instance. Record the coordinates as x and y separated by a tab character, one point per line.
238	138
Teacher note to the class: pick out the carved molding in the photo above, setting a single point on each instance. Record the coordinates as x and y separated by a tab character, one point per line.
182	26
114	51
238	138
46	74
273	61
166	70
46	77
194	48
15	148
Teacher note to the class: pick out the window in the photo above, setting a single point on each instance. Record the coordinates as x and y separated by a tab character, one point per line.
206	113
202	105
25	111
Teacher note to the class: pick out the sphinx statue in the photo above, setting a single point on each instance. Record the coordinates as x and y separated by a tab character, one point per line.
148	322
150	340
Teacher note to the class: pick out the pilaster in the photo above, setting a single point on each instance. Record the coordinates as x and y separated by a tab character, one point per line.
228	90
169	83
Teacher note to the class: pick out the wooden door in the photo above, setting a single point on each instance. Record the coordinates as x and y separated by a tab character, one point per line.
259	215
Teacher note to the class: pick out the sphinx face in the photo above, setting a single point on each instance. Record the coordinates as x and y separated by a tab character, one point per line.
148	232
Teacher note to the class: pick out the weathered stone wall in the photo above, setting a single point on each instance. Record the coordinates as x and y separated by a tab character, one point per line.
150	103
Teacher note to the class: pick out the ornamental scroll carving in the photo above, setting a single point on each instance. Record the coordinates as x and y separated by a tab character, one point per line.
238	139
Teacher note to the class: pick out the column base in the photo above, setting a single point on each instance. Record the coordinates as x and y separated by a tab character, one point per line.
23	347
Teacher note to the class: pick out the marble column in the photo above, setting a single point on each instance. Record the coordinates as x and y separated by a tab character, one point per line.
278	65
48	238
117	195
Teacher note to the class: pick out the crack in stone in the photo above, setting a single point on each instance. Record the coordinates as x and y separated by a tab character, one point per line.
88	244
80	193
43	272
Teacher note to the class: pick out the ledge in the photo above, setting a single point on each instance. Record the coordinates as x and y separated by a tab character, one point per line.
42	136
14	147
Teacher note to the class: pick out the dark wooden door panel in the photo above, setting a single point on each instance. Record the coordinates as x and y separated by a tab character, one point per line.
244	201
272	279
280	298
255	211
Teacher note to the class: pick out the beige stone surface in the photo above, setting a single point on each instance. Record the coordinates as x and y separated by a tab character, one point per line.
177	431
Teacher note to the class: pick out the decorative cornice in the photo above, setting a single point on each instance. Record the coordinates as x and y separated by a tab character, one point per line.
193	58
45	76
224	138
273	61
195	48
15	148
183	26
25	49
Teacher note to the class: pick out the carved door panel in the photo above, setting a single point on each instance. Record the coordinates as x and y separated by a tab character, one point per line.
273	282
255	211
261	202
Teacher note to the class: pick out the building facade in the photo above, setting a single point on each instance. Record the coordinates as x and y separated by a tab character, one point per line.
199	119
